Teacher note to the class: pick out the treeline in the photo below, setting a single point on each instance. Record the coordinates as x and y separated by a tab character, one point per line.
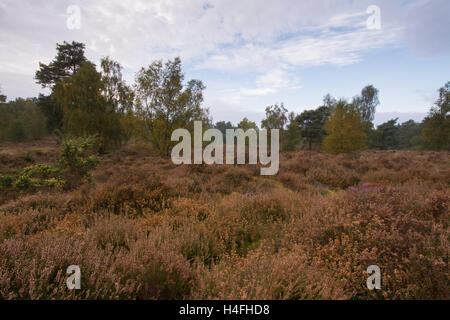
86	102
21	120
339	126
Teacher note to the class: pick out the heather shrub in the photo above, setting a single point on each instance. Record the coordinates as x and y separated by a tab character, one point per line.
149	268
382	227
263	209
234	179
334	177
292	180
113	232
150	230
155	264
198	244
285	275
132	197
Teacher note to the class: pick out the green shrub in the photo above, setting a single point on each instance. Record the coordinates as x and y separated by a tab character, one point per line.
77	159
17	131
6	181
75	162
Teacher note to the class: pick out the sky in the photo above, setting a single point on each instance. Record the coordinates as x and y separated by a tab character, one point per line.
249	53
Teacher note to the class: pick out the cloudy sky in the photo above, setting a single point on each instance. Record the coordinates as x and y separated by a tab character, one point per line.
249	53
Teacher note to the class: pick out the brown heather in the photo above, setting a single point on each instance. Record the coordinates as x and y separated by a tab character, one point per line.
146	229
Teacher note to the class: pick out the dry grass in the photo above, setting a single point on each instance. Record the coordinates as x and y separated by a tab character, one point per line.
147	229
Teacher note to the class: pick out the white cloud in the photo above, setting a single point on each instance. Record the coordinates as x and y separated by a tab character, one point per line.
272	82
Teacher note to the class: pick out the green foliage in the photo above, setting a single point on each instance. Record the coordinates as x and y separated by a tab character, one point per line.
409	135
21	120
17	131
36	176
6	181
385	137
164	103
346	131
390	136
366	103
246	124
59	136
223	126
292	136
119	98
76	160
52	111
436	132
275	117
68	59
311	124
86	110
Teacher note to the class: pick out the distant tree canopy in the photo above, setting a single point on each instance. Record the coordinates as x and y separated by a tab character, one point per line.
409	135
391	136
292	136
21	120
246	124
386	135
311	124
367	103
345	129
436	131
164	103
2	97
276	117
223	126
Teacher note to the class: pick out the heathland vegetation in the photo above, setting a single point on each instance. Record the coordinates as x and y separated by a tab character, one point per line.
85	180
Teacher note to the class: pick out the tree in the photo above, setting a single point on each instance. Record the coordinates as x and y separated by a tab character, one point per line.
86	109
116	92
436	131
366	103
17	130
119	96
311	124
329	101
20	120
164	103
33	119
68	59
275	117
345	130
2	97
385	136
246	124
223	126
292	135
409	135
